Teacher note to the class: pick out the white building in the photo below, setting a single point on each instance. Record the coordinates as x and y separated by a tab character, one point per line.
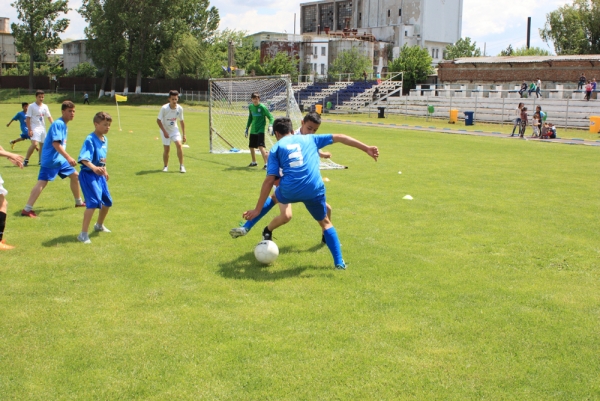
8	51
74	54
431	24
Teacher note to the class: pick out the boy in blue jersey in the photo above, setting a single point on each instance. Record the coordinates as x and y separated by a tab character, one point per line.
94	177
56	161
298	158
310	125
21	117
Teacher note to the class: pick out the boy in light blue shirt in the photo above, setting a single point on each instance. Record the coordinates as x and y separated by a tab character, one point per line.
21	117
298	158
93	177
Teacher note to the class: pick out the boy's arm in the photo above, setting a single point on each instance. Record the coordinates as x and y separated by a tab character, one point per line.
162	128
249	122
94	168
271	119
264	194
59	148
183	130
349	141
8	125
28	123
324	155
14	158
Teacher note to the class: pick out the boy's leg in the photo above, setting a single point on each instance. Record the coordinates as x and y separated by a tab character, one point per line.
252	154
285	215
3	210
264	153
36	191
241	231
30	150
87	218
74	178
333	242
179	154
166	149
102	215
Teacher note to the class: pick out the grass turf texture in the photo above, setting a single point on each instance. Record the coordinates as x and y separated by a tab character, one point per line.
484	286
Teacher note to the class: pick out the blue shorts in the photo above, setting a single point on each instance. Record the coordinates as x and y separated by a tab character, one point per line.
95	190
317	206
49	174
25	135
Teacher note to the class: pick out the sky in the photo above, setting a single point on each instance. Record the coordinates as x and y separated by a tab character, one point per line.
495	23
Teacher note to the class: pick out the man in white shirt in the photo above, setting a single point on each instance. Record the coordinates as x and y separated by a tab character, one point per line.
36	124
167	119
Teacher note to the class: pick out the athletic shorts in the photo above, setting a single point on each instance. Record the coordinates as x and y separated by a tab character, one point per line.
171	139
3	190
25	135
256	140
49	174
317	207
39	136
95	190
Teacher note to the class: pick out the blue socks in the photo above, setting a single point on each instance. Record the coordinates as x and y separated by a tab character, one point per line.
333	243
265	209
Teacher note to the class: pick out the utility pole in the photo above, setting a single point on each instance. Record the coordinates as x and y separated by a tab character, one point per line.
528	31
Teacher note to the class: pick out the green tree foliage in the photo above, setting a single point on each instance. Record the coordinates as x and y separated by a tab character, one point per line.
574	29
281	64
83	70
462	48
216	53
182	59
507	52
415	63
524	51
39	29
350	62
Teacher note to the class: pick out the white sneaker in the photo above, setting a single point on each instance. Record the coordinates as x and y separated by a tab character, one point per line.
165	169
182	169
84	238
101	228
238	232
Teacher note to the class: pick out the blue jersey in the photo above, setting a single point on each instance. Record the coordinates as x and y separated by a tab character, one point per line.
21	117
94	151
298	158
57	133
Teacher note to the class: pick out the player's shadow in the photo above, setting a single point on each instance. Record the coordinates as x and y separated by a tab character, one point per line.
247	268
41	212
146	172
64	239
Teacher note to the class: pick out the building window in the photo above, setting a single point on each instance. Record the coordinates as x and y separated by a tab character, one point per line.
399	12
326	15
432	53
405	33
309	14
323	51
344	14
389	13
437	53
315	52
315	67
322	69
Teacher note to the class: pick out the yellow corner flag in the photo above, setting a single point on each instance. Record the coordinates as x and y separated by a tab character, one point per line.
120	98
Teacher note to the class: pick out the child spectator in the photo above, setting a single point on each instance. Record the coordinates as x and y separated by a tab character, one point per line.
532	88
536	125
544	131
582	80
538	88
523	121
517	120
523	88
588	91
93	177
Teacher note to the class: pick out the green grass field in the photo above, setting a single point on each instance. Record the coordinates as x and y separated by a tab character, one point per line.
485	286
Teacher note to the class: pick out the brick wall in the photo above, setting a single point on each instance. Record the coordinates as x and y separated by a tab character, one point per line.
561	72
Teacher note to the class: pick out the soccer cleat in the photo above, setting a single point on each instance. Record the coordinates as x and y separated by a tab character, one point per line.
12	144
30	213
238	232
165	169
84	238
341	267
5	247
82	205
182	169
265	167
267	235
253	164
25	163
101	228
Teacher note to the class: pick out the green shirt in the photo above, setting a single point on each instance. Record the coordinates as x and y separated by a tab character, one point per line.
256	118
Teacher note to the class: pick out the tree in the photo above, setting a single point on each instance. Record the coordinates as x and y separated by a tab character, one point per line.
40	27
532	51
182	59
83	70
215	53
350	62
508	52
281	64
415	63
462	48
574	29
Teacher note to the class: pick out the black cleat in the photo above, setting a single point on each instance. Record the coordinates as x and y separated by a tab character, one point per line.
267	235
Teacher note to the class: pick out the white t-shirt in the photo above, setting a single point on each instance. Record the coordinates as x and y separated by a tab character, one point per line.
169	117
38	115
297	132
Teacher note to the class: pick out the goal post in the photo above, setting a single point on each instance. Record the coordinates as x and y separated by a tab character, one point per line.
228	110
229	99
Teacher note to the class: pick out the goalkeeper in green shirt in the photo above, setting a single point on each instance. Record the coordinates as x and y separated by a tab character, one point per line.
257	113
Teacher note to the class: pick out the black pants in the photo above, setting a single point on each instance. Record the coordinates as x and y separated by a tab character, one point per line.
86	101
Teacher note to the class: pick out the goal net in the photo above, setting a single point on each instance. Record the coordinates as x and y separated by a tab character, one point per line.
228	111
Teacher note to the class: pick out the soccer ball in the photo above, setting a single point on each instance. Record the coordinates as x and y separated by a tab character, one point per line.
266	252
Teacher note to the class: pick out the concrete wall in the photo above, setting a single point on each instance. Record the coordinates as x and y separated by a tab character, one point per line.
557	72
74	54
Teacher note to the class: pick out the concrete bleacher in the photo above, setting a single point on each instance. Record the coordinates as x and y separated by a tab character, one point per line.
496	110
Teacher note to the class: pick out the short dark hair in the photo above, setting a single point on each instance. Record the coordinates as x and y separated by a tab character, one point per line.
24	104
39	92
173	93
102	116
313	117
255	95
282	125
524	109
67	104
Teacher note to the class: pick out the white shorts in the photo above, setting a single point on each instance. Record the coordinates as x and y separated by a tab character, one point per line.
39	136
171	139
3	191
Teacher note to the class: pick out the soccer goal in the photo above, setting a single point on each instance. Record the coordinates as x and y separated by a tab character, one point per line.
228	111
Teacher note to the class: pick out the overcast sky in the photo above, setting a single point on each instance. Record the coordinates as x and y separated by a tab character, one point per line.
497	23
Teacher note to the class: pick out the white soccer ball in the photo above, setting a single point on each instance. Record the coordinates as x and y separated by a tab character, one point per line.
266	252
